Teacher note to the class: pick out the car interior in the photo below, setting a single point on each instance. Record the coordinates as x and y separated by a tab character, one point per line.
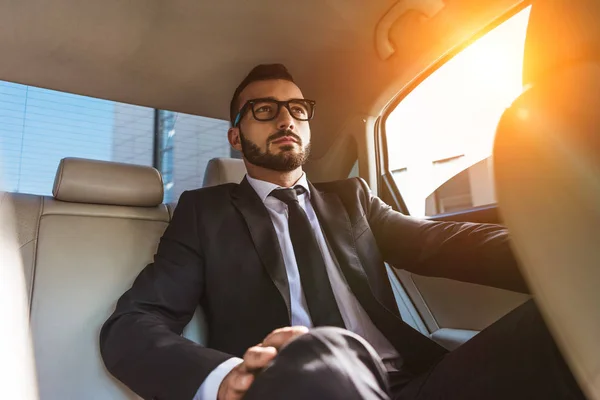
83	238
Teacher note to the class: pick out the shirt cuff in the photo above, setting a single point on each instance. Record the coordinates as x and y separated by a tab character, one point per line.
210	387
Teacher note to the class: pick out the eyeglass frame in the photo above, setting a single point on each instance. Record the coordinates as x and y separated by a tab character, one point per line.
285	103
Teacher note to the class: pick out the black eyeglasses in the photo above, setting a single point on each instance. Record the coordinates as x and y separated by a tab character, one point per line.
268	109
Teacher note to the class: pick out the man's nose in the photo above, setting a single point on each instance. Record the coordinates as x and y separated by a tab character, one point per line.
285	120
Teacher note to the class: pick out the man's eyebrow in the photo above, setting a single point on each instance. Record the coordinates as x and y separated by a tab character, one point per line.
275	99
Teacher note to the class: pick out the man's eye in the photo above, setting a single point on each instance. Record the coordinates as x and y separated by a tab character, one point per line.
299	110
263	109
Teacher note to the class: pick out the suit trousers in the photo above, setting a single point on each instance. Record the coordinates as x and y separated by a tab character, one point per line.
514	358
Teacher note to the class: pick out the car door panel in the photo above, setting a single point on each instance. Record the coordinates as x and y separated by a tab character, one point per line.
452	312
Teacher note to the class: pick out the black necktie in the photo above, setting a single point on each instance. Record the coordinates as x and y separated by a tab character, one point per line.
313	275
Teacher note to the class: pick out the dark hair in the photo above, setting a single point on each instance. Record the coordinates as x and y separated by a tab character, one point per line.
262	72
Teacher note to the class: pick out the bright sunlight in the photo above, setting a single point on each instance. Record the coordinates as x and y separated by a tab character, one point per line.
452	116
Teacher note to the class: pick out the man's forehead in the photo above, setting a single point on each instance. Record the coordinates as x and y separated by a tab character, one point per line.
278	89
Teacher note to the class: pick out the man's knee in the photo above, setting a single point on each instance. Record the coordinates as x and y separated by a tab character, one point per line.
332	336
338	340
331	362
337	353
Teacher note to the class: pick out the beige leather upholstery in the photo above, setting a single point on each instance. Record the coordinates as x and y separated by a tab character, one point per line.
27	210
224	170
547	167
78	259
17	370
102	182
85	260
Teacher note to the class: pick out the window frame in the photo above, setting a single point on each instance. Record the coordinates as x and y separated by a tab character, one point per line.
384	174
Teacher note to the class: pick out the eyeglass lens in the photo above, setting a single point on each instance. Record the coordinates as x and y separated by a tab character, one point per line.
265	110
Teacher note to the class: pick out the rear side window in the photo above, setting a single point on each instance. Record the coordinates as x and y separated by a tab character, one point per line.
186	144
38	127
440	135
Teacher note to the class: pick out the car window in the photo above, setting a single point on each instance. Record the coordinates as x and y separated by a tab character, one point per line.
186	144
38	127
440	136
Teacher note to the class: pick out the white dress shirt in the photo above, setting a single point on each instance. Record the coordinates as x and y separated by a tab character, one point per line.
355	317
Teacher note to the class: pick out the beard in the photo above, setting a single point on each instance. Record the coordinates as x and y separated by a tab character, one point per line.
286	161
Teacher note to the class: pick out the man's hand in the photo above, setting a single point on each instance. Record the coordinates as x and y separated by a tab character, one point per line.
238	381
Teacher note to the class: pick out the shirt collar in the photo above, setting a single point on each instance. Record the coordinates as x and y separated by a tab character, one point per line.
264	188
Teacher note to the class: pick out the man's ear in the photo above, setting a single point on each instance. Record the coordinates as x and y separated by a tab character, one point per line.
233	135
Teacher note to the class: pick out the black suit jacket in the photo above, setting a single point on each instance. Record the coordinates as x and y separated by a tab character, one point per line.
221	251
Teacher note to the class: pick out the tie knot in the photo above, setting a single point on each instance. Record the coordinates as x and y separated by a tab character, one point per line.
288	195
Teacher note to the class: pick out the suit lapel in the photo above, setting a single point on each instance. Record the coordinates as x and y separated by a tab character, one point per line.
336	224
264	237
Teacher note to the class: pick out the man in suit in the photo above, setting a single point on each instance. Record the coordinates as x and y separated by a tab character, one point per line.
292	281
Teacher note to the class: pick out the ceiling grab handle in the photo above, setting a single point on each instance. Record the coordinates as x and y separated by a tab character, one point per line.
383	44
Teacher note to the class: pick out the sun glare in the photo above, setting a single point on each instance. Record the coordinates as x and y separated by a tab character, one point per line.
454	112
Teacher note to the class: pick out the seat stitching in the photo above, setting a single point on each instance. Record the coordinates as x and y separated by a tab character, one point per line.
35	254
26	243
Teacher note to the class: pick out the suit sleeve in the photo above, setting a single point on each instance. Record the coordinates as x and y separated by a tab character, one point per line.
468	252
141	342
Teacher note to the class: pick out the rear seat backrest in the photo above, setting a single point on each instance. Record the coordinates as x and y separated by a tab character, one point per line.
26	209
17	367
82	250
224	170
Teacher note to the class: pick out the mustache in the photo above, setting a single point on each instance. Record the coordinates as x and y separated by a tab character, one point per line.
283	133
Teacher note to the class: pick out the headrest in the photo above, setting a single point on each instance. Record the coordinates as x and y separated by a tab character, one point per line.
560	33
224	170
102	182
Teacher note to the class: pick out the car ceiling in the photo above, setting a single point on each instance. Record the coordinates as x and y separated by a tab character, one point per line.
189	55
